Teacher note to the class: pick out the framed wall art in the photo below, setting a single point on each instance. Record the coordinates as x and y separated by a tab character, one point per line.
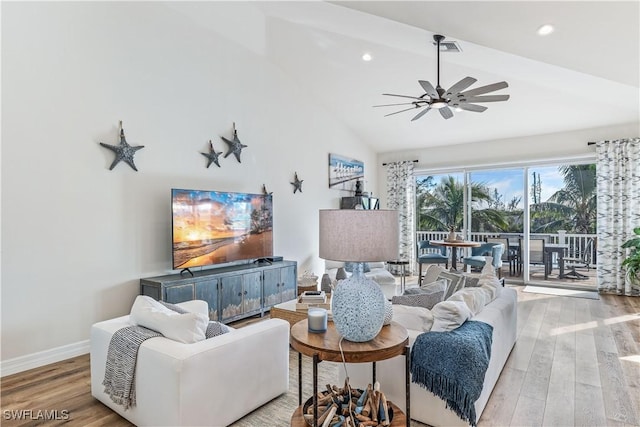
344	172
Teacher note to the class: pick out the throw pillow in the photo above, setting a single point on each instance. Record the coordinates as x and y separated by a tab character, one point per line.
437	285
448	315
457	282
413	318
424	299
432	272
174	307
186	328
474	298
350	266
488	277
216	328
471	282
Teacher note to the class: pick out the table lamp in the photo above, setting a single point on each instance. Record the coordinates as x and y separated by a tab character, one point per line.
358	236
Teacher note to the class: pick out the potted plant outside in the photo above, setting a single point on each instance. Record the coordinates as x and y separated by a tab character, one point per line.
632	262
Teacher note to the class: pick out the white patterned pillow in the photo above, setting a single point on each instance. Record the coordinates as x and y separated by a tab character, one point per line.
457	282
422	299
432	272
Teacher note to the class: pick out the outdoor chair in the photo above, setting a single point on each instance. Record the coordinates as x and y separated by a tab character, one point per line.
478	254
538	255
430	254
583	260
509	255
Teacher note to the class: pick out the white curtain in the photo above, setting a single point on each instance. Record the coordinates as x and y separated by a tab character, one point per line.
401	196
618	180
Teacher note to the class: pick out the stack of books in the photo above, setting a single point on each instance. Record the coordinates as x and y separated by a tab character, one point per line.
312	299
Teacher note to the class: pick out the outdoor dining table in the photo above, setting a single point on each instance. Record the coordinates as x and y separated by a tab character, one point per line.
550	249
454	245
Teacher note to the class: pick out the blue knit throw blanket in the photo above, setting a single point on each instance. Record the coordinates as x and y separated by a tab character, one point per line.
452	365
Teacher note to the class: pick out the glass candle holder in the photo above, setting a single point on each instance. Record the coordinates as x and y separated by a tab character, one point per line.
317	319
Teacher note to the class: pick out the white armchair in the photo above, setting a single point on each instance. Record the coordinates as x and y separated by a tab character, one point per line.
208	383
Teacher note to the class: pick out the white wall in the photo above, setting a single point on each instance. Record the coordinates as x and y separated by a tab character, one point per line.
77	237
535	148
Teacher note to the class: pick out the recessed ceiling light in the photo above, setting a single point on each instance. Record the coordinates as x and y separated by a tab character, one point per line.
545	30
367	57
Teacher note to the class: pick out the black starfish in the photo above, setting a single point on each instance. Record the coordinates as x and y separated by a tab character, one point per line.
265	192
297	184
235	146
123	151
212	155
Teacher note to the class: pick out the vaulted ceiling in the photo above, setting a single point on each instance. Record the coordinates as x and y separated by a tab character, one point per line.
585	74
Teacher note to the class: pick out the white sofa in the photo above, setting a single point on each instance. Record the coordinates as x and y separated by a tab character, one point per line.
501	313
378	273
212	382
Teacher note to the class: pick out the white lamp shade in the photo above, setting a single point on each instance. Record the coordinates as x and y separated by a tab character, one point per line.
359	235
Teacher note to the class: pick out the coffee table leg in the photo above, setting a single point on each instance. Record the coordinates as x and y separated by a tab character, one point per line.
299	378
315	389
407	369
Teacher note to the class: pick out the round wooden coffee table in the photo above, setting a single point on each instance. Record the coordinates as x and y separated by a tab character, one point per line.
393	340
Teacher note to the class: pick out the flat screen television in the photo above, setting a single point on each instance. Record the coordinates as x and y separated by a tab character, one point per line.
213	227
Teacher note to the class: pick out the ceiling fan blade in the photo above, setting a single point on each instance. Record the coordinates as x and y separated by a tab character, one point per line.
401	111
405	96
446	112
421	113
402	103
472	107
488	98
428	87
485	89
460	86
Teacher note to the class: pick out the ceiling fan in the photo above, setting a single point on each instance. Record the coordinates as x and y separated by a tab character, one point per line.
441	99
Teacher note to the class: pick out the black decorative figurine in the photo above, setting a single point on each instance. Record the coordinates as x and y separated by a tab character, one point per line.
297	184
265	192
212	155
124	151
235	146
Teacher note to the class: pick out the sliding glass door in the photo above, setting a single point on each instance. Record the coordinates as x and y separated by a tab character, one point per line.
545	215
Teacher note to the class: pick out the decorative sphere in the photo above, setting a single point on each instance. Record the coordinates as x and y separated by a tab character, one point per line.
358	307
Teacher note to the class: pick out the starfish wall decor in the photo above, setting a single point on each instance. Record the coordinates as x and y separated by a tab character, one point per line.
265	192
235	146
297	184
212	155
124	151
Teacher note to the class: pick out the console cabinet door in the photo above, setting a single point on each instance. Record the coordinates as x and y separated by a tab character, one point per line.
271	280
178	293
231	294
288	283
208	291
252	292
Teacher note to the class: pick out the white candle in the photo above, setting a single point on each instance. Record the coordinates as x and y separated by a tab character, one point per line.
317	319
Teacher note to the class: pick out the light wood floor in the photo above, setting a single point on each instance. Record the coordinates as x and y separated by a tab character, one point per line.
576	363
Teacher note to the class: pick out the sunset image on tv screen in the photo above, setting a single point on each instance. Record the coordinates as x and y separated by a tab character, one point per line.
211	227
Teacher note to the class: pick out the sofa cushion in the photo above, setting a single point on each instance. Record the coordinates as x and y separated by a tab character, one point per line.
186	328
413	318
448	315
422	299
475	298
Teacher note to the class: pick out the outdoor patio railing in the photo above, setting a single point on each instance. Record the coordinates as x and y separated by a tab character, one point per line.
576	242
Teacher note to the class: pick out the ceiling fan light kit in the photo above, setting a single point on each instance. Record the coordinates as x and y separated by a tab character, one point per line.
456	97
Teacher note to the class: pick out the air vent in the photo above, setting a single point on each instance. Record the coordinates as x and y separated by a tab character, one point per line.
449	46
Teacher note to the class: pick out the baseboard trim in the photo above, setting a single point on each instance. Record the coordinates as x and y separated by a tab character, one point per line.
42	358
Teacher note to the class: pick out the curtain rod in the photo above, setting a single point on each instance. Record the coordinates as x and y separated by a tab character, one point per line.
414	161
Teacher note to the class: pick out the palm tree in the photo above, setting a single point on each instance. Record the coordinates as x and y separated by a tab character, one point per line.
574	206
442	207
